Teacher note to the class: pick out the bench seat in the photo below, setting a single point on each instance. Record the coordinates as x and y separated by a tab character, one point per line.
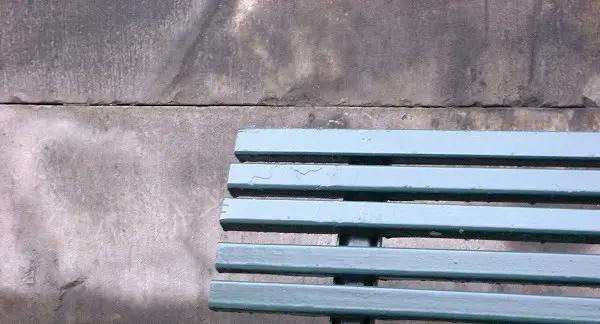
364	185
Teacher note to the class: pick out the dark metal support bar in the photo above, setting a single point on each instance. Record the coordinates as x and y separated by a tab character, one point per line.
359	241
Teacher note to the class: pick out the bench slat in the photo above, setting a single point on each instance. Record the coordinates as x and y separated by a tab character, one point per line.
416	146
446	183
411	220
394	303
551	268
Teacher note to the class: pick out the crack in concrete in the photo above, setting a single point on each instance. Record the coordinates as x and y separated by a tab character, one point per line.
366	105
72	284
65	289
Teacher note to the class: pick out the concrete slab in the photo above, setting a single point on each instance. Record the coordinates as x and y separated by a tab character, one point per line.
406	53
110	214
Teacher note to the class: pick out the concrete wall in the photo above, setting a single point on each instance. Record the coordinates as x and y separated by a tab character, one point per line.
110	213
408	53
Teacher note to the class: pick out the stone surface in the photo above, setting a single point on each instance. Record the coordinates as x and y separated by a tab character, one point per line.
110	214
405	53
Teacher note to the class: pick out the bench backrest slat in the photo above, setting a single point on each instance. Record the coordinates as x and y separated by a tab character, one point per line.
553	268
410	219
403	303
417	146
393	182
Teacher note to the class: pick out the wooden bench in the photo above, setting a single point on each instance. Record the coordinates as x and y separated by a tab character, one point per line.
364	175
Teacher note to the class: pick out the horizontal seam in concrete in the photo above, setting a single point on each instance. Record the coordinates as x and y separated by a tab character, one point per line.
50	103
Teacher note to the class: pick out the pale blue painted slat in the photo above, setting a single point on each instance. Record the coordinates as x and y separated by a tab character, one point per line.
411	219
428	146
392	303
555	268
415	181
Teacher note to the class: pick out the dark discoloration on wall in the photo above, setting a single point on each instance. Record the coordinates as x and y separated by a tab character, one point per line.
564	36
93	176
400	53
178	65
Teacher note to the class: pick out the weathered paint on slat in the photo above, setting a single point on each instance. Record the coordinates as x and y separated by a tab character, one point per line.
410	219
572	269
394	303
446	183
419	146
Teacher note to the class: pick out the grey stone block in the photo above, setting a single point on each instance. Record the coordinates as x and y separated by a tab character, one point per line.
403	53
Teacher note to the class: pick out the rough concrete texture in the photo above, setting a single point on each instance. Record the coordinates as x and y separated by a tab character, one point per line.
110	214
407	53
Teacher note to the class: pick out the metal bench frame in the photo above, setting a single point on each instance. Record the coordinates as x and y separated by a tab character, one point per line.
368	169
